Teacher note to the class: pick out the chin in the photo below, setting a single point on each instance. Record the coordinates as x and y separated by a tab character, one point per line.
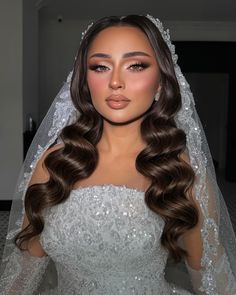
123	121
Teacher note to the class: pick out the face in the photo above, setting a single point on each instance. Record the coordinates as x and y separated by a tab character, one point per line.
123	75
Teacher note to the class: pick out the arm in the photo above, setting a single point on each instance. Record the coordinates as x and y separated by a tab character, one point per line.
24	269
208	263
210	271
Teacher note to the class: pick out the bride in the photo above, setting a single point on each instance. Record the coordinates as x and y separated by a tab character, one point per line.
119	178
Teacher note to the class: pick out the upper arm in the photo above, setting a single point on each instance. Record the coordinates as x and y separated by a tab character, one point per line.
40	175
192	239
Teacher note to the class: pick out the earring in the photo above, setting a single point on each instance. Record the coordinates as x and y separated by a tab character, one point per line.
157	96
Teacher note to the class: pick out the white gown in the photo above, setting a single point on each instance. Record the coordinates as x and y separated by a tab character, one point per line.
103	240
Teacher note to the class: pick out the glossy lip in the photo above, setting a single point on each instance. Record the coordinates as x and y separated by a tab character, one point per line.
117	98
117	101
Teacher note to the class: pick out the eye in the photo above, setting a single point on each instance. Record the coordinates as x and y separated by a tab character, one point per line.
137	67
98	68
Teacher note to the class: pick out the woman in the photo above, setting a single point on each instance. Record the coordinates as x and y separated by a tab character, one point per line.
121	179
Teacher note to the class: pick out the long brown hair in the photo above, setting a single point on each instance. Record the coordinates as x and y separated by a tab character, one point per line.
172	179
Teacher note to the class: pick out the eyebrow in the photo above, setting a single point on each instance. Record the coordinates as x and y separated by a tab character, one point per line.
125	55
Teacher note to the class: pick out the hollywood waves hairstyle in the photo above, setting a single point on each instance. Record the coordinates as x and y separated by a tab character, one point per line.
172	178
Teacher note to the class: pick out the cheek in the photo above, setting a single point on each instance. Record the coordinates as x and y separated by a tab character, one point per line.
147	82
96	84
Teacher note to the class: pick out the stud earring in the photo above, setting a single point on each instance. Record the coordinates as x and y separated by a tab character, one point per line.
157	96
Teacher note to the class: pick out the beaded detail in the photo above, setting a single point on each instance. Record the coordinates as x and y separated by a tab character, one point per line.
105	240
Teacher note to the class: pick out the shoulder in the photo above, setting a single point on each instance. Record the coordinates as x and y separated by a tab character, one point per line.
40	173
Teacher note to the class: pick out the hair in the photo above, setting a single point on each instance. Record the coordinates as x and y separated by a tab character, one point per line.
171	178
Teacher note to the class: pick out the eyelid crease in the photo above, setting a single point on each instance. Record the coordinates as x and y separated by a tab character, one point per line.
125	55
130	64
130	59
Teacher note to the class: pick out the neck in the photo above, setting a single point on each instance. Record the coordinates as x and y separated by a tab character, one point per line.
120	140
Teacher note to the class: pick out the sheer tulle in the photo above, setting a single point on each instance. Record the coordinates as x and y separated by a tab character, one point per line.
23	273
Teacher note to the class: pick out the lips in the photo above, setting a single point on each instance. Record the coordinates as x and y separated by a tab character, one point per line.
117	101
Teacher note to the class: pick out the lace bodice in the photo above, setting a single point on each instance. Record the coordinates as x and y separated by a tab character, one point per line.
105	240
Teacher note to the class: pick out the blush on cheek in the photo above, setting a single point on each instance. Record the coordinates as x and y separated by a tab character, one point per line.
147	85
93	84
96	82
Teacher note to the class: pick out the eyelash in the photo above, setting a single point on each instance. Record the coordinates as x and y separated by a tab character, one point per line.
139	66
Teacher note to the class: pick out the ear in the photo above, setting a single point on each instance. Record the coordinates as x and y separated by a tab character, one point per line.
159	88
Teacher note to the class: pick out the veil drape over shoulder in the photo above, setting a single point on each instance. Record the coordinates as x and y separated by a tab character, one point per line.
25	274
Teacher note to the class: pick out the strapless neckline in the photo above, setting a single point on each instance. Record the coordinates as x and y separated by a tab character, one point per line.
107	186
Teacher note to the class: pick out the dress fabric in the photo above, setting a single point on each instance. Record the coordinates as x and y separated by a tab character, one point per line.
104	240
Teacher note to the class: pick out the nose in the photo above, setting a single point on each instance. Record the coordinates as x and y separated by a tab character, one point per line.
116	80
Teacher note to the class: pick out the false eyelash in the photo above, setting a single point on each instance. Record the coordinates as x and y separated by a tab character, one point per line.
140	64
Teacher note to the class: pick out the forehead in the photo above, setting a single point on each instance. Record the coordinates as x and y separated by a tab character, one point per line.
125	38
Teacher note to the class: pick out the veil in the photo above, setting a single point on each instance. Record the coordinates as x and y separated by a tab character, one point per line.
22	273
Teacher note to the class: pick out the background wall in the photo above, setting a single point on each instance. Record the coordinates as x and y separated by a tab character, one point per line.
58	44
11	95
210	92
30	62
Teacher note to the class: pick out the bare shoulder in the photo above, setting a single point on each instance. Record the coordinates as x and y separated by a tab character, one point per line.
40	174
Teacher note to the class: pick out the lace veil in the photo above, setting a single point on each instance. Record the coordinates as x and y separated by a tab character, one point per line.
218	272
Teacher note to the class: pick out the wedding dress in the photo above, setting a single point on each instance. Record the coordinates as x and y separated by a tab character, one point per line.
104	239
